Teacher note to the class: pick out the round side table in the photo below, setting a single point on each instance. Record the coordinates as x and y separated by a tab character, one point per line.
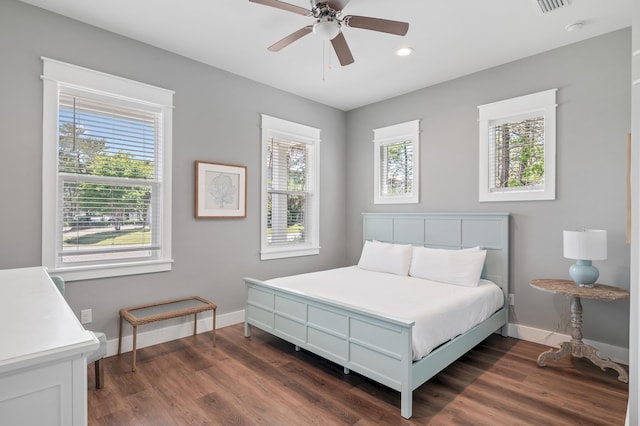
576	347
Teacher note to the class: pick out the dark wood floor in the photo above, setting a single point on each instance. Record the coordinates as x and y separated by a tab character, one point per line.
262	380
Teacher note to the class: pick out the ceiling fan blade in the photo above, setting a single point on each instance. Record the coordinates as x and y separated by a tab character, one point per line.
338	4
279	45
342	49
284	6
376	24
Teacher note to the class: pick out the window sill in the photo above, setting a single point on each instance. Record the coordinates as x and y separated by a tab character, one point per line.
78	273
517	195
399	199
288	252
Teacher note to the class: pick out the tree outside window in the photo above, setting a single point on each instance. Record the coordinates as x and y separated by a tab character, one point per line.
397	168
519	158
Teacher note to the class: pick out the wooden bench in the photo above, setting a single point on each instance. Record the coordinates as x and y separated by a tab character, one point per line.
145	314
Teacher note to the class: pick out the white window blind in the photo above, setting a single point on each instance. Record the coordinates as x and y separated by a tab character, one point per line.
288	191
290	202
108	167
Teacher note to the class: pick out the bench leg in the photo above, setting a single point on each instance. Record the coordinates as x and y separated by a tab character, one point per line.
120	337
195	323
214	328
135	335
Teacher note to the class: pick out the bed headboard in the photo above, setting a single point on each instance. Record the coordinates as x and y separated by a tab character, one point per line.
451	231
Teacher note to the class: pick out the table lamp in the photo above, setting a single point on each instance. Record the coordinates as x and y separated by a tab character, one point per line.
584	246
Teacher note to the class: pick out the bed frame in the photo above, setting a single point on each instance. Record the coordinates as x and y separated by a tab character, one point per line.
371	344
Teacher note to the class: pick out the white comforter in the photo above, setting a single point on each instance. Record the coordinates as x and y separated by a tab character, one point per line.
440	311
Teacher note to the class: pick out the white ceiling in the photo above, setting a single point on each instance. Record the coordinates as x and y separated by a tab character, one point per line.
450	38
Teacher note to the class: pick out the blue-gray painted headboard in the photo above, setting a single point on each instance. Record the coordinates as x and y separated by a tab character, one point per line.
451	231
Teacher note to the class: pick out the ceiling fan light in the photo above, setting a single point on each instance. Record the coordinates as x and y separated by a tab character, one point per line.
326	29
404	51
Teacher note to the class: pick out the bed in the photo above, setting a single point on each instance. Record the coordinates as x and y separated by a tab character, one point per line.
377	345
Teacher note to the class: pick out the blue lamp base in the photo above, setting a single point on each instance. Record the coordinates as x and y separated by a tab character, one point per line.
584	273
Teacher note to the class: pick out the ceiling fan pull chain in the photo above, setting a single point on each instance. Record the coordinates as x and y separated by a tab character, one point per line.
326	63
324	48
324	43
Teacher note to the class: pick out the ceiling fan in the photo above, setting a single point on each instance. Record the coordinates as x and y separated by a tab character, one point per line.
329	22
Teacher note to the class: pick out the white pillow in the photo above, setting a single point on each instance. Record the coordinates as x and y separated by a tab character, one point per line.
385	257
458	267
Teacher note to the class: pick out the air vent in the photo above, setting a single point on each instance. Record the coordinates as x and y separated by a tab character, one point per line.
551	5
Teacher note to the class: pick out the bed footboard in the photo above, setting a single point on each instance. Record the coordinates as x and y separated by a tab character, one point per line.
372	345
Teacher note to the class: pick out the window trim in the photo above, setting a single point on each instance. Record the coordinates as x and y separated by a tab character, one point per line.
304	134
58	74
543	103
387	136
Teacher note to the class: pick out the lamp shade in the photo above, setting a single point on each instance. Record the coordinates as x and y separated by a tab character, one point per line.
587	244
326	29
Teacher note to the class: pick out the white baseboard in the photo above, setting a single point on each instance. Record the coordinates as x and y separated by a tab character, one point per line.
161	335
167	334
551	338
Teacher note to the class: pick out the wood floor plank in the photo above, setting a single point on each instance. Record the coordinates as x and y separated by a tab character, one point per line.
263	380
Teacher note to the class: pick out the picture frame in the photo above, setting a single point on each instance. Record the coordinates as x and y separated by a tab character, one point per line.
221	190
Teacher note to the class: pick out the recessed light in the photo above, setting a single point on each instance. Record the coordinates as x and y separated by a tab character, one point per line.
575	26
404	51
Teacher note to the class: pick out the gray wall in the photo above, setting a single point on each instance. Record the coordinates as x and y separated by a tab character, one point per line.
216	118
593	81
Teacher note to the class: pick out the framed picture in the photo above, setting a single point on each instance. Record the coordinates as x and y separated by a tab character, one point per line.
221	190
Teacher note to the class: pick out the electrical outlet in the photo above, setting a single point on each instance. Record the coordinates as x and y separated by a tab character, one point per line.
512	299
85	316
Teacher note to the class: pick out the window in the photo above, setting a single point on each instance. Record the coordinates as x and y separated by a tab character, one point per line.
290	164
517	148
106	207
396	159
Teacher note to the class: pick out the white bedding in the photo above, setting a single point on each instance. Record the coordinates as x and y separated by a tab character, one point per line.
440	311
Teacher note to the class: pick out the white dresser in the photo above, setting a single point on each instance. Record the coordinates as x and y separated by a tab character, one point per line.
43	349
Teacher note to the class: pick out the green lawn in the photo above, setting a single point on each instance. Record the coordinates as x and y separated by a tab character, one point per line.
111	238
